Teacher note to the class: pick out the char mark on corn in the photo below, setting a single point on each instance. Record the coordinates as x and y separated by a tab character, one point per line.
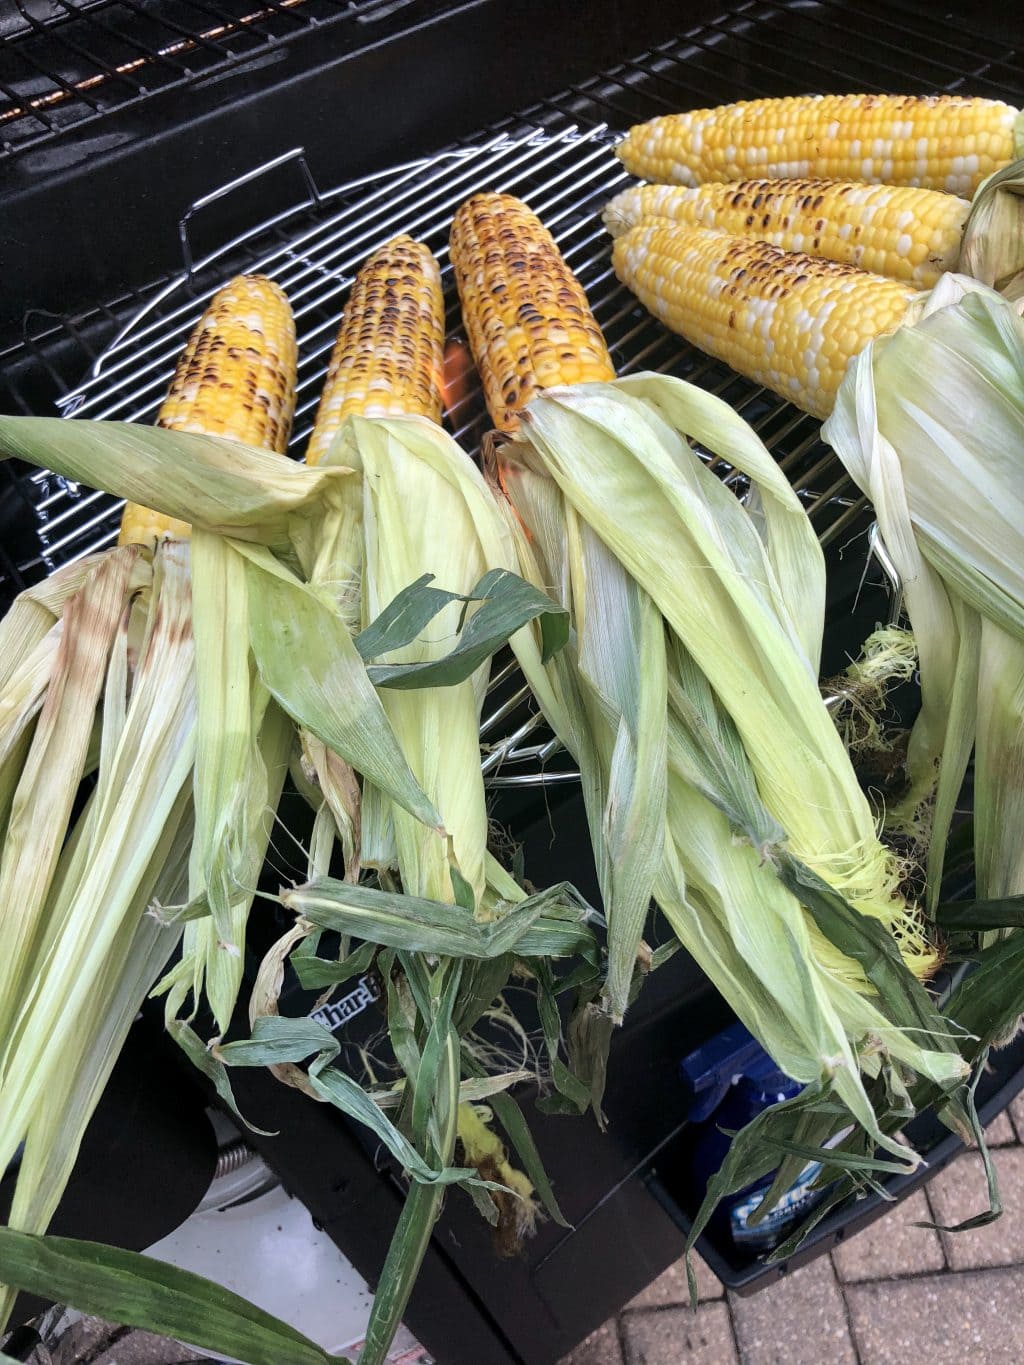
938	142
235	378
782	319
526	314
903	233
388	359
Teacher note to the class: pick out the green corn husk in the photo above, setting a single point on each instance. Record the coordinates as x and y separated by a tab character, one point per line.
102	673
295	577
424	511
140	953
930	424
411	464
744	593
740	592
48	781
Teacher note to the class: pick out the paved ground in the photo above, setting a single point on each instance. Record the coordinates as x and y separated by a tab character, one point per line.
894	1293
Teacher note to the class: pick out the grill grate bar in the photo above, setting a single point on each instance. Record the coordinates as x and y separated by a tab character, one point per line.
917	25
336	264
952	64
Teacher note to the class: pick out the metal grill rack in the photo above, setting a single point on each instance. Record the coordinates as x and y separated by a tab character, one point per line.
67	63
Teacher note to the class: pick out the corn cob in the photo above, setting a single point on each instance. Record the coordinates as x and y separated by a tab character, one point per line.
235	378
937	142
528	321
905	234
781	318
388	359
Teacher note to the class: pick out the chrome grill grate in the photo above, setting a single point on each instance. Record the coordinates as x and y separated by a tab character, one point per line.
313	250
558	157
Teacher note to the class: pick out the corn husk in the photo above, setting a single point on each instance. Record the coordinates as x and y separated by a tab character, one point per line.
742	591
53	767
123	666
993	243
143	948
930	423
196	723
207	481
408	465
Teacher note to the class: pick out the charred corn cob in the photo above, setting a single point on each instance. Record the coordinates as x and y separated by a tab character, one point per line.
937	142
528	321
235	378
903	233
388	360
783	319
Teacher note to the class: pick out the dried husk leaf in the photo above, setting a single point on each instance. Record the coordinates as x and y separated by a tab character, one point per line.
137	792
43	800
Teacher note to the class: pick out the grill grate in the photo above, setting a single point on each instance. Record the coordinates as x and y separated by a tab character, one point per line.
313	252
65	63
558	157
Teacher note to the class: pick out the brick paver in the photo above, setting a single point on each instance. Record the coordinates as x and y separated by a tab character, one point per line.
801	1320
892	1245
894	1292
959	1191
941	1319
1000	1132
602	1348
672	1288
1016	1113
678	1336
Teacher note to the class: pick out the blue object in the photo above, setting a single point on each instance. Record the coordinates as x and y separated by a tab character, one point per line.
732	1079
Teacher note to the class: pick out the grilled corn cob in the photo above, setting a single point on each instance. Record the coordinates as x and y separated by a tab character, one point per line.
388	360
903	233
783	319
528	321
235	378
937	142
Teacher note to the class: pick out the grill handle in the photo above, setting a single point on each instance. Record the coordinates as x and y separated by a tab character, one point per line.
296	155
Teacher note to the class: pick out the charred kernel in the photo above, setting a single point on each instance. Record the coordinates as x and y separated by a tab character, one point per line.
235	378
836	224
387	360
779	309
527	319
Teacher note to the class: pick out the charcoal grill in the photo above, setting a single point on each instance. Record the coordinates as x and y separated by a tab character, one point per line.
434	100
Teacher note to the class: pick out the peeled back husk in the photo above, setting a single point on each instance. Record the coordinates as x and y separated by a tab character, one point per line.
743	590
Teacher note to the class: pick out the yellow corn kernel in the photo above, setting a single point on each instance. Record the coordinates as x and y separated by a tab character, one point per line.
937	142
782	319
905	234
235	378
388	358
526	315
